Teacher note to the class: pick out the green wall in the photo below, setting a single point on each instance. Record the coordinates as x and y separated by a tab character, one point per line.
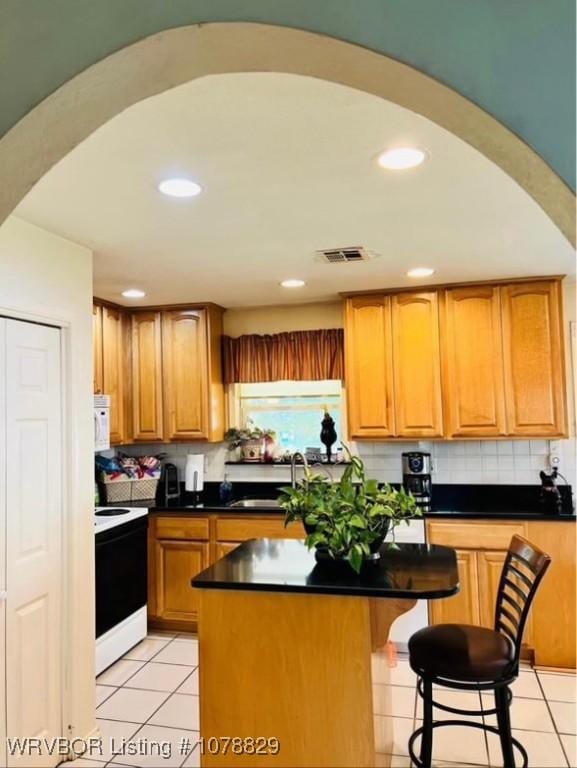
514	58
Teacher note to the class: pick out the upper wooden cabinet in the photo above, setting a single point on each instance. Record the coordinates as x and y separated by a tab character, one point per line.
193	390
416	365
534	361
115	370
97	349
466	361
162	370
369	366
185	368
147	411
474	387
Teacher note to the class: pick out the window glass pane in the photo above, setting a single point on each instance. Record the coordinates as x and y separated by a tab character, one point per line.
295	418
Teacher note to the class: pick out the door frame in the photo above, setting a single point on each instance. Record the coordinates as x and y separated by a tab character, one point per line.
67	682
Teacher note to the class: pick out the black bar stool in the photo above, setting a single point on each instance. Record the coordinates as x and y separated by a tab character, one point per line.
470	658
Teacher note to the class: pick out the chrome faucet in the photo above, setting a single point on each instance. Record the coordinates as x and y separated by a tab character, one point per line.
297	455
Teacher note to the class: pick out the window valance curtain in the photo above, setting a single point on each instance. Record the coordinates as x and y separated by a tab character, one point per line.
293	356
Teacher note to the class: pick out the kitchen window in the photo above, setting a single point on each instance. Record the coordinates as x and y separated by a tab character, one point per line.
293	409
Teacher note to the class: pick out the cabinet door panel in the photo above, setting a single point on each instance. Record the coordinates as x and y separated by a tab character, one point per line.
489	566
534	362
176	563
114	366
185	374
97	349
462	608
473	383
369	367
417	365
147	376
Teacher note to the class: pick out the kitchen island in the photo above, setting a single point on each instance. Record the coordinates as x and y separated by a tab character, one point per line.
285	649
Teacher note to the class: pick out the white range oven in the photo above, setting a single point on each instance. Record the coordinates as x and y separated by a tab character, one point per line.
121	581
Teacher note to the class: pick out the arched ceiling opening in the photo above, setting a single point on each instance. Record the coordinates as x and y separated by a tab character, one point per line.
288	166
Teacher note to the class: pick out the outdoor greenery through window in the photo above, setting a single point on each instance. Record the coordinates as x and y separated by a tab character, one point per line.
293	409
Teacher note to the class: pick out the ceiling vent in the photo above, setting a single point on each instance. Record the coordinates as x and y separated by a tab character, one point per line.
344	255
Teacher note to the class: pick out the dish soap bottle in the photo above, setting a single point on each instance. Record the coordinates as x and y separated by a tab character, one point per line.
225	491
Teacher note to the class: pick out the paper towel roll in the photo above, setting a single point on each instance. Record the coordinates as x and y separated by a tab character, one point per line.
194	472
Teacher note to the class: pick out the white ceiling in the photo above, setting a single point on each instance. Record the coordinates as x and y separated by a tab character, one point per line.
288	166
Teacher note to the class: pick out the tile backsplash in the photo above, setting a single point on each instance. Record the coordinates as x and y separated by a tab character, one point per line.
482	462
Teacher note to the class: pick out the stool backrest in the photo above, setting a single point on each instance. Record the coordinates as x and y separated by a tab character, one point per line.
523	569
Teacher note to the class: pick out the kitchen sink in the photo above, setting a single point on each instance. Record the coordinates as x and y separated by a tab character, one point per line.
266	503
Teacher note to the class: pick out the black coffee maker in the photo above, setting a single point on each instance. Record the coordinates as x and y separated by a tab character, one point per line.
417	477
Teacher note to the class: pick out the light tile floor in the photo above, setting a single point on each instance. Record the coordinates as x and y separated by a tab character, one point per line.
151	696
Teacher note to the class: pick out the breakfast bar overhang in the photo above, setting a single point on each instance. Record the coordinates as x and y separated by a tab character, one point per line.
285	649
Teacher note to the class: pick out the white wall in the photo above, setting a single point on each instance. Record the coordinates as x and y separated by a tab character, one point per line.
486	462
45	277
293	317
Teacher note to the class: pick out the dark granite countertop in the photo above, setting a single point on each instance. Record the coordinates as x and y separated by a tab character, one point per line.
417	571
466	502
178	508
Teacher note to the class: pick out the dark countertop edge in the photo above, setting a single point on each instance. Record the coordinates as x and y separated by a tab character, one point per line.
521	516
201	511
400	594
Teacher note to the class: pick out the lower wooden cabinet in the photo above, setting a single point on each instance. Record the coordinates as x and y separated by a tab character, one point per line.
481	550
463	361
224	547
176	562
181	546
464	607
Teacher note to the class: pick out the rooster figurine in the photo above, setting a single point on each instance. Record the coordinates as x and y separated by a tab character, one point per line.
328	434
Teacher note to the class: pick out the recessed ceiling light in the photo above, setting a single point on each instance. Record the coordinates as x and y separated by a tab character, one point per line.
420	272
292	283
401	158
179	187
133	293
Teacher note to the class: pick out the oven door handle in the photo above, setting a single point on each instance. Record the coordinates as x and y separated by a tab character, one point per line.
112	539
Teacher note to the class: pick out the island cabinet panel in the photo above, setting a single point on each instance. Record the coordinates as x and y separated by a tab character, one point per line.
416	365
473	382
115	368
97	348
369	367
534	360
463	608
185	374
147	377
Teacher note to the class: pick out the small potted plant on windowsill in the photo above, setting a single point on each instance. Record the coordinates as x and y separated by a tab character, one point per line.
348	520
250	441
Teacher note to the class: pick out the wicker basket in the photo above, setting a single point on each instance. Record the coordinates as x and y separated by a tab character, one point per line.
116	491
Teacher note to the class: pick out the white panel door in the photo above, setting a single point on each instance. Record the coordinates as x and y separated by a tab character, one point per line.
33	534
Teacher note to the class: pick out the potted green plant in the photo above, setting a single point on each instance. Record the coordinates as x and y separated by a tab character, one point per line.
251	441
347	520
